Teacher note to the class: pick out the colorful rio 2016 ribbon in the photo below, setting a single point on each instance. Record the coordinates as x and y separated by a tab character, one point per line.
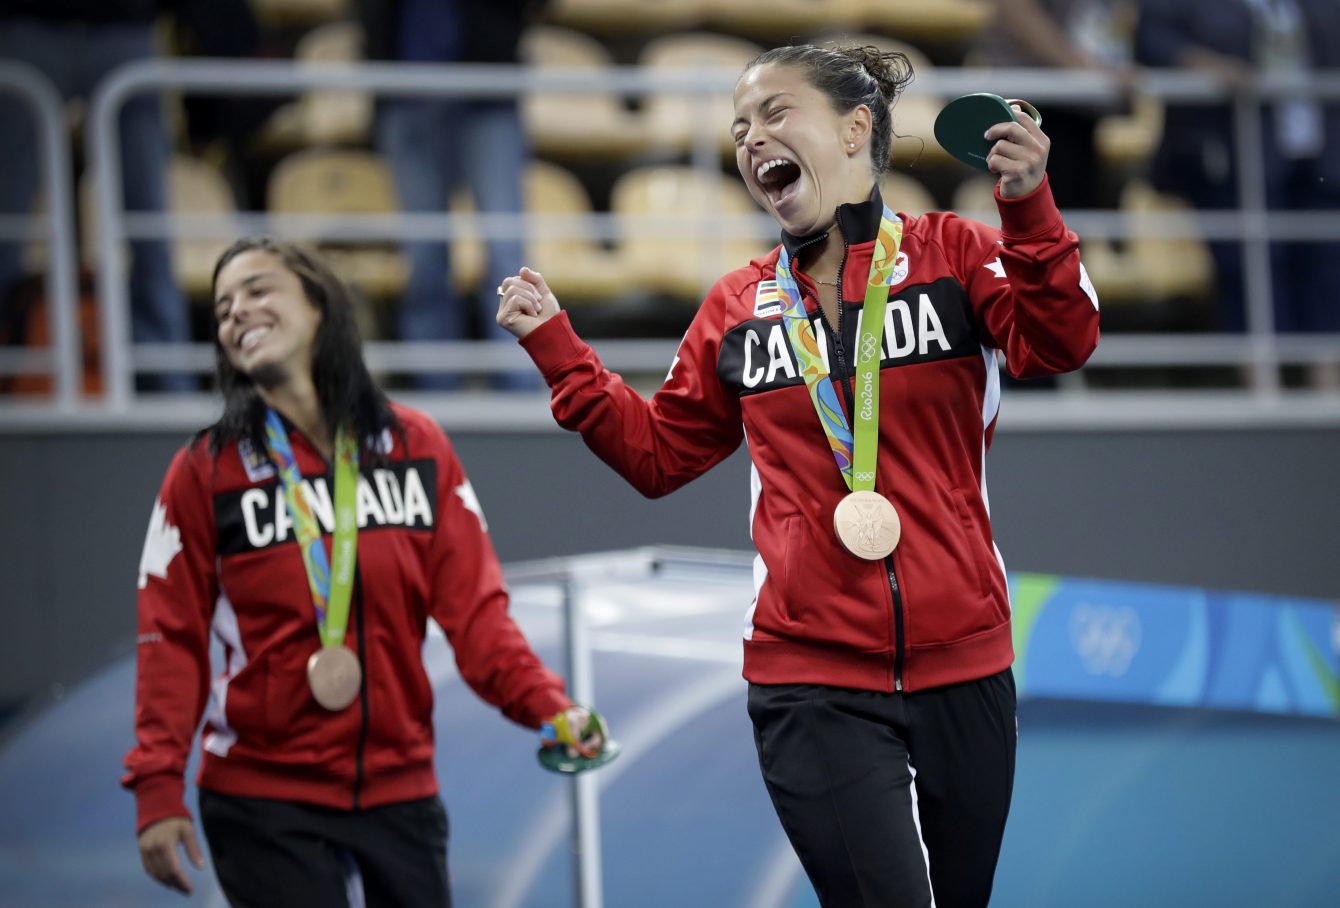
331	590
855	456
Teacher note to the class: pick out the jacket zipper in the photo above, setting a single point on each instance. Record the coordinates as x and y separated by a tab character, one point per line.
848	394
362	690
897	623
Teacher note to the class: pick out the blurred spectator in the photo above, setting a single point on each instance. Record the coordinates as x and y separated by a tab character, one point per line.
1236	39
222	126
435	145
1069	34
76	43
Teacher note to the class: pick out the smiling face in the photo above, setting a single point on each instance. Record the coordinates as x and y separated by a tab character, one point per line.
266	324
794	150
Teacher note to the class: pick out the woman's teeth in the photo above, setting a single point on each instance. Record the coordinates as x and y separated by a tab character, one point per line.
253	337
767	166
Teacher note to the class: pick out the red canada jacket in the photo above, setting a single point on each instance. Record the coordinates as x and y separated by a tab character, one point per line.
220	557
937	610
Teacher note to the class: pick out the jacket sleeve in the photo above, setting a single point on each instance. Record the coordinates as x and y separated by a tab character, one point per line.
470	604
1028	289
690	424
178	586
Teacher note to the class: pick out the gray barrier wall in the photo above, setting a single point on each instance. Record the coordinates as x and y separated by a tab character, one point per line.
1241	509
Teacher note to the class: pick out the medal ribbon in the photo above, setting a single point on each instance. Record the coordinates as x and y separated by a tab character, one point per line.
330	590
855	456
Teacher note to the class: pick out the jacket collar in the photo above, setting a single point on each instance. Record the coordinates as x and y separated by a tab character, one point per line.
858	221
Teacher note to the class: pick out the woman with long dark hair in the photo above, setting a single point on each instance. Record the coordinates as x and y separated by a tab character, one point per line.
859	360
313	530
335	380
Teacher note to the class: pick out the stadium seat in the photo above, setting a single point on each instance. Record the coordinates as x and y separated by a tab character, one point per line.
1149	267
467	249
334	182
1145	268
296	13
323	117
975	197
197	187
578	268
684	263
621	18
1174	266
903	192
1126	142
782	21
943	21
568	125
674	120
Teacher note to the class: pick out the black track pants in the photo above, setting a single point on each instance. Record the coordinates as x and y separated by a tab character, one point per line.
268	853
891	800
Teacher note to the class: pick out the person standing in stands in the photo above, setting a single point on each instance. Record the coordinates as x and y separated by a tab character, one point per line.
1197	157
76	44
436	145
318	739
859	361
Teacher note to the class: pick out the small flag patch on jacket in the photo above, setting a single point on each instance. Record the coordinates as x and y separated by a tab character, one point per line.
257	465
768	299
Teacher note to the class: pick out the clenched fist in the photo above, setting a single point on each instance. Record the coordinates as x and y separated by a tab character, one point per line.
525	302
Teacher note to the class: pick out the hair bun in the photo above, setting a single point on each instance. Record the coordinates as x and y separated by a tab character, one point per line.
891	70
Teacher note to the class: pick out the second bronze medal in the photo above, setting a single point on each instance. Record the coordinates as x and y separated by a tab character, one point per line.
335	677
867	525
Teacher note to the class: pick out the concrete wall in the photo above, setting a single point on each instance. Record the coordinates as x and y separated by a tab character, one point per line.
1241	509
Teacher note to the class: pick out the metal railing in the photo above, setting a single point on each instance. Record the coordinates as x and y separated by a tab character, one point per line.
1253	225
59	359
572	575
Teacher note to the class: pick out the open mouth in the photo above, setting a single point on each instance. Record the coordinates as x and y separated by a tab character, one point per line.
253	336
779	179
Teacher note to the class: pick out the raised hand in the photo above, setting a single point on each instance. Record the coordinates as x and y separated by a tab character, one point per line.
1019	155
525	302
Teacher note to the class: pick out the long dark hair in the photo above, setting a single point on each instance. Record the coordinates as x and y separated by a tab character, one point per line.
850	75
345	390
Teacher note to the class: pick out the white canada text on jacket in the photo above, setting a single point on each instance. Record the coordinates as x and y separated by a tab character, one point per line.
385	497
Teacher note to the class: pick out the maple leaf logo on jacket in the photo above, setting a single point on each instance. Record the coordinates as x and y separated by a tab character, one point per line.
161	544
471	502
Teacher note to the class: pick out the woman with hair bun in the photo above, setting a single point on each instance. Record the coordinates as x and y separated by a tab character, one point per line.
859	360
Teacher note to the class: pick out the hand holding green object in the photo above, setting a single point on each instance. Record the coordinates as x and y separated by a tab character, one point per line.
960	126
576	740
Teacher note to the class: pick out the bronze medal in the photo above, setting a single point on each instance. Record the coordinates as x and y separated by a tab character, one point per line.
867	525
334	675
